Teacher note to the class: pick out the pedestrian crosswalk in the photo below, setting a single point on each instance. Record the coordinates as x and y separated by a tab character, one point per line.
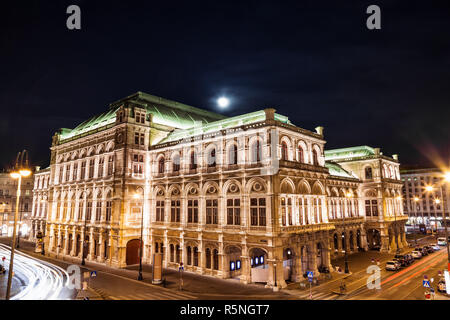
147	295
319	296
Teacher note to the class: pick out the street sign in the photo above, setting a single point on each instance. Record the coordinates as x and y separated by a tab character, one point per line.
310	275
93	274
3	258
426	283
180	268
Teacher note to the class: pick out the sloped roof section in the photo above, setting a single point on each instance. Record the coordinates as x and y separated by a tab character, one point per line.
231	122
337	171
349	153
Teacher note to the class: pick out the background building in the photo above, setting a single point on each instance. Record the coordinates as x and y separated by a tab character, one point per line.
425	210
248	197
8	196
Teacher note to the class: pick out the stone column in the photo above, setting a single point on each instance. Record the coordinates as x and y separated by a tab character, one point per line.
101	254
74	242
297	267
66	242
90	255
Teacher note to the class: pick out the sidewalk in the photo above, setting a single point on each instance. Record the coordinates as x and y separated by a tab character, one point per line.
206	287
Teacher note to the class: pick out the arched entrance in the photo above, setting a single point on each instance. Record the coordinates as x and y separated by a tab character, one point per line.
344	247
374	239
288	263
321	257
336	243
233	263
78	246
306	259
132	256
70	244
258	264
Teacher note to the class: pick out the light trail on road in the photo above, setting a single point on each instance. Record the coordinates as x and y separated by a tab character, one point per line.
44	281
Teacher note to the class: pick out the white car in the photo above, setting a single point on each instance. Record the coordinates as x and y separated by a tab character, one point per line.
391	265
416	254
436	247
441	241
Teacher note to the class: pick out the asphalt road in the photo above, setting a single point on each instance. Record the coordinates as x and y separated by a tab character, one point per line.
407	283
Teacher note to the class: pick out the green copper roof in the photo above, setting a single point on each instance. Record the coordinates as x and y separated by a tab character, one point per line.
232	122
338	171
165	112
348	153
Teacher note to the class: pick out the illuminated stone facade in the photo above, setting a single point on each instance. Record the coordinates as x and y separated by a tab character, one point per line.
244	197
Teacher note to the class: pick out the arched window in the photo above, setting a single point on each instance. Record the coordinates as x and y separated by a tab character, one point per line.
232	155
300	154
368	173
176	163
208	258
178	251
315	158
284	151
256	151
195	256
212	158
189	256
161	165
172	249
216	259
193	161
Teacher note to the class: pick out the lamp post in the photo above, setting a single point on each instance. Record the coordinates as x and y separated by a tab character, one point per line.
348	195
138	196
447	180
416	199
15	175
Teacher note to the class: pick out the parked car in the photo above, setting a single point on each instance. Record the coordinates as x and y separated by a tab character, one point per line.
416	254
441	286
410	258
428	249
402	259
398	262
323	269
422	251
436	247
392	266
441	241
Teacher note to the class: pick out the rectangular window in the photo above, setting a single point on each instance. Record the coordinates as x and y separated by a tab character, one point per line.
136	138
258	211
368	208
142	139
211	211
98	211
108	210
91	168
160	210
233	211
83	170
101	165
192	211
374	207
89	211
110	165
74	173
175	211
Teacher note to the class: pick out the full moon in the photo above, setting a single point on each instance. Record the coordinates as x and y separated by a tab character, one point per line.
223	102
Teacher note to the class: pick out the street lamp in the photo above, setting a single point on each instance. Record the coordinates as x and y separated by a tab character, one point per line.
138	196
447	180
23	172
416	199
348	195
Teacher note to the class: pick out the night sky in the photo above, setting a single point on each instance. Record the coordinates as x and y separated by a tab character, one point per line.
313	61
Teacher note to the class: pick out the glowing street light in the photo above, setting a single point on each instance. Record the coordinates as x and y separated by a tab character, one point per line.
23	172
223	102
